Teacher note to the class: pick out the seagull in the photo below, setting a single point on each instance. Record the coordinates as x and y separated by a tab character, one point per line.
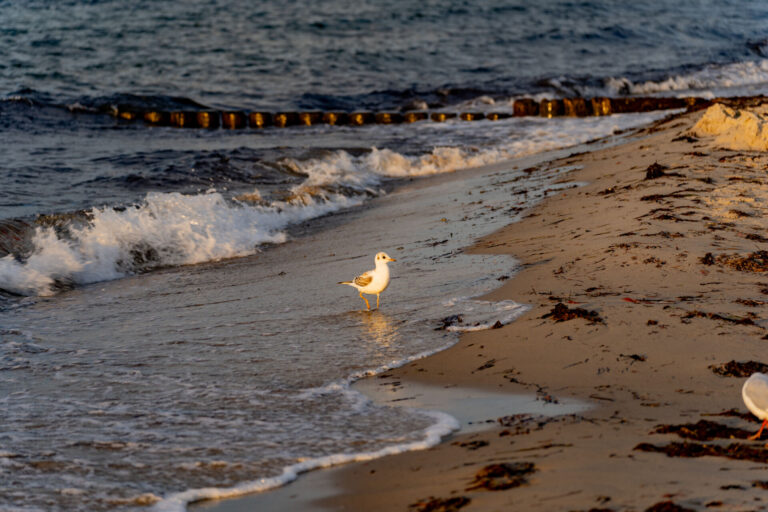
374	281
755	395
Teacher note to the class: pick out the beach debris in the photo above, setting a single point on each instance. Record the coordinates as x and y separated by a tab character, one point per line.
633	357
523	423
450	321
740	213
716	316
433	504
472	445
678	194
488	364
667	234
735	451
739	369
751	302
667	506
703	430
499	477
757	238
656	170
752	262
761	484
562	313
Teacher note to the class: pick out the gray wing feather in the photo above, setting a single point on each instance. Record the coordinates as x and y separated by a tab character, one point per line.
364	279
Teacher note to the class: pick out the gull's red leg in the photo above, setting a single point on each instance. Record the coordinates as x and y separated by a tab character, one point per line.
757	436
366	301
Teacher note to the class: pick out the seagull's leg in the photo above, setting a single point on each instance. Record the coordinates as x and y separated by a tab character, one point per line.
377	301
367	305
757	436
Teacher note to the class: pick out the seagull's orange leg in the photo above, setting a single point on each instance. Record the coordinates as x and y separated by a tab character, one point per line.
377	301
757	436
367	305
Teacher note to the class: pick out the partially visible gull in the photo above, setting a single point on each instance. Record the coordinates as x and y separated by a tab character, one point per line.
755	395
374	281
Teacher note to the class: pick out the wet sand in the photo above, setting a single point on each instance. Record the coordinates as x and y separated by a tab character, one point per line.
642	284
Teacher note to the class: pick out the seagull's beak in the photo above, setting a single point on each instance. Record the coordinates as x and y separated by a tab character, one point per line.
391	259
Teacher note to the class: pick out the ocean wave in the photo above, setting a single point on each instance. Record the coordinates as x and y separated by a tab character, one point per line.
165	229
168	228
444	425
714	80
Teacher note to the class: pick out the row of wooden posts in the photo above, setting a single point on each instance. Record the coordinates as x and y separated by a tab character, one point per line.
574	107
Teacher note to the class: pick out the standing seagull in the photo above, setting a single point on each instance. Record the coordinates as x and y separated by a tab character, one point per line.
755	395
374	281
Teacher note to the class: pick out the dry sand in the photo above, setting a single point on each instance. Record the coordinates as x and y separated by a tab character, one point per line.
670	275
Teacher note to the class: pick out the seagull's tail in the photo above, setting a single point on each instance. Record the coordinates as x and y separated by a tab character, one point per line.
345	282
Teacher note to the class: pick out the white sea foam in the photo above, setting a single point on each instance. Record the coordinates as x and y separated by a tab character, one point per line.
512	138
479	315
747	77
732	79
444	425
166	229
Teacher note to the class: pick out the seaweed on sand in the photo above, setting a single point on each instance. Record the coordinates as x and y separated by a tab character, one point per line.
499	477
736	451
667	506
717	316
433	504
739	369
562	313
752	262
703	430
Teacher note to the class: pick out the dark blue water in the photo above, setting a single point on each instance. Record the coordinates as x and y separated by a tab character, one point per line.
355	54
63	65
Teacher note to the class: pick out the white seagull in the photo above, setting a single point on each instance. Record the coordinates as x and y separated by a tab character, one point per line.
755	395
374	281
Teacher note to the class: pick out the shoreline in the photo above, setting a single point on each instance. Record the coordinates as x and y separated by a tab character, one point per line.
667	320
662	320
524	402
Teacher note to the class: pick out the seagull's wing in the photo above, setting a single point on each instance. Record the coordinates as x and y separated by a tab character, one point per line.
364	279
756	390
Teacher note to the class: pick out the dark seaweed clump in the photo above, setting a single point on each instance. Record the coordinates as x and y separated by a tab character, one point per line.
432	504
739	369
655	170
562	313
667	506
736	451
449	321
717	316
498	477
752	262
704	430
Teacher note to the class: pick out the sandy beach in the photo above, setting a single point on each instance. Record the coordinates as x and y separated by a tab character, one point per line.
643	284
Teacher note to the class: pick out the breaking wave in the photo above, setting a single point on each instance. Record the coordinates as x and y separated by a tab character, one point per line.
169	228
